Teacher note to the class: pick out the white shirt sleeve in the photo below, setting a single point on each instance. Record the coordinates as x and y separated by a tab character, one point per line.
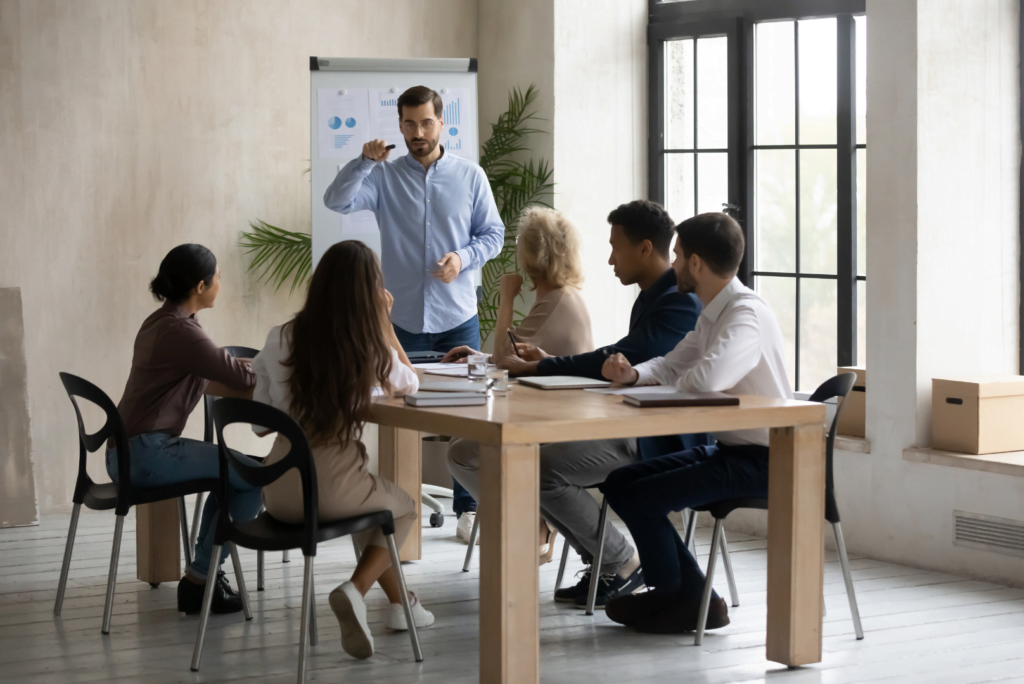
733	354
403	379
665	370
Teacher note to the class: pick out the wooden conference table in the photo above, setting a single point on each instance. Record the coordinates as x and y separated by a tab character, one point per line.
511	429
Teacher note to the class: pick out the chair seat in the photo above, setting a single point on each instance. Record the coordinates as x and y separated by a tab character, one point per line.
144	496
721	509
100	497
266	533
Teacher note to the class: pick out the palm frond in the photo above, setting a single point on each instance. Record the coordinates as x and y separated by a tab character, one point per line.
279	255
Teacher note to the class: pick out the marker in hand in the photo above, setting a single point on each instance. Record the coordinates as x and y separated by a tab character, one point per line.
377	150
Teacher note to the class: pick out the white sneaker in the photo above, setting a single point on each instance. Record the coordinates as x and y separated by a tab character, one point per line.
420	615
465	527
348	606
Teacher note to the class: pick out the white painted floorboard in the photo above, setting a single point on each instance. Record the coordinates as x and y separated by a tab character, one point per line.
920	626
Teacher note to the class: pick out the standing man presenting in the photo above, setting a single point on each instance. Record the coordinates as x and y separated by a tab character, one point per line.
438	221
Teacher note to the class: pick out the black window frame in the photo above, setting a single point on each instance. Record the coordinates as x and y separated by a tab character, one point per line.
735	19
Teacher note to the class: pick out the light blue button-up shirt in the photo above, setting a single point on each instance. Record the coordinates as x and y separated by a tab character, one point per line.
424	214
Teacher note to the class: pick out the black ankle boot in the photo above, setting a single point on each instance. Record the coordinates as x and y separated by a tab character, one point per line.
225	599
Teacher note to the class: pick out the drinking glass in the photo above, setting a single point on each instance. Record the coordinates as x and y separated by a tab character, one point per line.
500	378
478	367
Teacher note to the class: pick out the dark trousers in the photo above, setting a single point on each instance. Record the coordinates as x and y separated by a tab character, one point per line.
466	334
643	494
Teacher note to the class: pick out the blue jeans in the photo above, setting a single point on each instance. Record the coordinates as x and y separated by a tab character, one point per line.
466	334
160	459
644	493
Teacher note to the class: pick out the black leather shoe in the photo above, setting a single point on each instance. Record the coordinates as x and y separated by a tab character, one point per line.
225	599
683	616
627	610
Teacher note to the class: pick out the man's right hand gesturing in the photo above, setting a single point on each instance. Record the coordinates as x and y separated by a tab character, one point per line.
376	150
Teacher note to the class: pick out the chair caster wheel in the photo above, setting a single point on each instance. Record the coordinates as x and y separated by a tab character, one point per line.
154	584
436	519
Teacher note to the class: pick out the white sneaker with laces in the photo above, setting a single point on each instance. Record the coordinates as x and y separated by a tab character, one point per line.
348	606
420	615
465	527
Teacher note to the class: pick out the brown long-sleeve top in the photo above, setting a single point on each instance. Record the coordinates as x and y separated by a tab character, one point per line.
171	366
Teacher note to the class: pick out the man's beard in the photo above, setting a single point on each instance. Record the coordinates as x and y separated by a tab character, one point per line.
431	146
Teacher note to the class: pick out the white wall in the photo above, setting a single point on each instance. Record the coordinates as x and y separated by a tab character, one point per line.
129	127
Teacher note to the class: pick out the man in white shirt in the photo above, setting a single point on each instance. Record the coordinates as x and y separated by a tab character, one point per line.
738	348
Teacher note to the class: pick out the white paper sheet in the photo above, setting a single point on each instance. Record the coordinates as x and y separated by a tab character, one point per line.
456	113
462	372
384	123
651	389
344	121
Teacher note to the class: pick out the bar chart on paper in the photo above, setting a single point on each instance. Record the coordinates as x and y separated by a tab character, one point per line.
456	126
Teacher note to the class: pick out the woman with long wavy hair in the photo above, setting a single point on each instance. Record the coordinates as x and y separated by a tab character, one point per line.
323	367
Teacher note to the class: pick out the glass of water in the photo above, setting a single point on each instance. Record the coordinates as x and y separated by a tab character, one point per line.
499	376
478	367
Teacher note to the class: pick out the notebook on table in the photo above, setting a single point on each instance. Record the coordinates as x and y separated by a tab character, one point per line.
642	399
562	382
432	385
428	399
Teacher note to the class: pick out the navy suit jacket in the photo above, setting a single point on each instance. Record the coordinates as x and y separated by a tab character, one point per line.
660	319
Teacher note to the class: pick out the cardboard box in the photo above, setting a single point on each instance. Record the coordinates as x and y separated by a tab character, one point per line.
978	414
851	419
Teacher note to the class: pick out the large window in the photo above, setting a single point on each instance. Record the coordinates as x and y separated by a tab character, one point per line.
766	113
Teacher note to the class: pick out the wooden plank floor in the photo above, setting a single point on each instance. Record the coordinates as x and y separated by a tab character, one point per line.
920	626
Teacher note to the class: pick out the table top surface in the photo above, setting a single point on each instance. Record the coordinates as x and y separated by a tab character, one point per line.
528	416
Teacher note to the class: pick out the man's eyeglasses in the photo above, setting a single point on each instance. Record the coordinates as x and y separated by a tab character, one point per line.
427	126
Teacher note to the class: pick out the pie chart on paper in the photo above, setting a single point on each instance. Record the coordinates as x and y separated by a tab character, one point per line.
334	122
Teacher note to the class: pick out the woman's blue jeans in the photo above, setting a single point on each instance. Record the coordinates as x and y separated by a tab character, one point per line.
160	459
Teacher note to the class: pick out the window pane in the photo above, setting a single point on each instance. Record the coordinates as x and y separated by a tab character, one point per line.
818	317
818	236
712	181
780	293
679	94
861	68
679	186
712	93
775	210
818	81
862	323
862	212
774	83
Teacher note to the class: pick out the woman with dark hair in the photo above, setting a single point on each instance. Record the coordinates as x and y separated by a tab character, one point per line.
323	367
173	365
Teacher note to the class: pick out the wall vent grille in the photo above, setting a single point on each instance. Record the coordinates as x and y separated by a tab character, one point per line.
977	531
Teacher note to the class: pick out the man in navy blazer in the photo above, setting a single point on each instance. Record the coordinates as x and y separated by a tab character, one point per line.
641	235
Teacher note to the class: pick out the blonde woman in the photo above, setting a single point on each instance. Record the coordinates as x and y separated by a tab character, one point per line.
548	249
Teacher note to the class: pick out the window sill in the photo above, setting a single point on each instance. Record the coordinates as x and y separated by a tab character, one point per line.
1009	463
857	445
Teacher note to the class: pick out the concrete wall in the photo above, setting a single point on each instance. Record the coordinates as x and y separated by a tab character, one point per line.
17	479
129	127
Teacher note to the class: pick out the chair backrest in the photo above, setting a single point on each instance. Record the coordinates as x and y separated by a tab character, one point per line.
835	387
238	353
76	388
229	411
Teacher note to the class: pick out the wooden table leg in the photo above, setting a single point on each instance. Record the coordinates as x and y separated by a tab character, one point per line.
509	580
400	459
157	542
796	550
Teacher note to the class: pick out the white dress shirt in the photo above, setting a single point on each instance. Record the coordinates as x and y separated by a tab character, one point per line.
737	348
272	375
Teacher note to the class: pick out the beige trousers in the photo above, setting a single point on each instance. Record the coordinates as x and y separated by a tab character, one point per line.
345	488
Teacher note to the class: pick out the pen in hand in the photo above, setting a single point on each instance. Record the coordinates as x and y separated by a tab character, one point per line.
513	339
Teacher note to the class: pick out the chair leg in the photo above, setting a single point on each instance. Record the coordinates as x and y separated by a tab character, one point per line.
691	528
68	547
727	561
240	578
472	543
259	571
112	576
848	578
705	601
314	637
204	615
307	591
595	569
197	514
406	606
183	519
561	566
355	547
284	557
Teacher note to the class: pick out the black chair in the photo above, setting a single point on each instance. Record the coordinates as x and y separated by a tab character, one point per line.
839	386
264	533
120	497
